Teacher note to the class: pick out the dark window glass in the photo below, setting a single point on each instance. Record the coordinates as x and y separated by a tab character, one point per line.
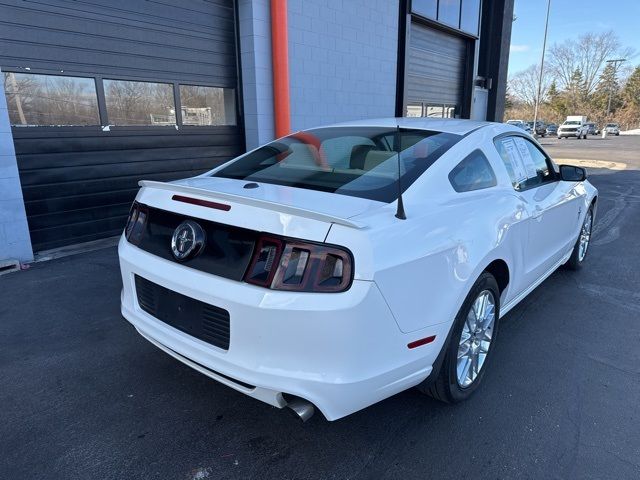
139	103
426	8
51	100
207	105
470	16
472	173
355	161
449	12
526	164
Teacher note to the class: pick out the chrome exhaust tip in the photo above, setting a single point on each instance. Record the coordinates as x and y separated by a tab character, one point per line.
303	409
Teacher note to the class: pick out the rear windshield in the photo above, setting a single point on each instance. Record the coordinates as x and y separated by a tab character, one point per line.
354	161
571	122
612	124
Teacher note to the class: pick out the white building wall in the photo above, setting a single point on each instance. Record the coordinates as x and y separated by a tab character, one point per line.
342	60
15	242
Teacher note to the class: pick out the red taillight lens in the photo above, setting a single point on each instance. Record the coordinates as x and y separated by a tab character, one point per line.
136	223
293	265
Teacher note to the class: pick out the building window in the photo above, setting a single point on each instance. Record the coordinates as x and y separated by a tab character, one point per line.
207	105
51	100
449	12
139	103
417	109
470	16
414	110
426	8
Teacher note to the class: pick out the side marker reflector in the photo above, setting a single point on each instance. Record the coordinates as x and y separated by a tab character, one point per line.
422	341
202	203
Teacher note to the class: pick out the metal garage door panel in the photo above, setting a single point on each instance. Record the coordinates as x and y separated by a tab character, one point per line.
436	67
78	182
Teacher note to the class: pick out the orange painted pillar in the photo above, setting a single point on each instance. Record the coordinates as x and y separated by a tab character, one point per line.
280	61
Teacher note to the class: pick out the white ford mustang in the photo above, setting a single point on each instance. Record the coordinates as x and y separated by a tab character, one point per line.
338	266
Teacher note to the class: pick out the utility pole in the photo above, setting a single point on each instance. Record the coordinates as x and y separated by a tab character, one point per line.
615	62
544	47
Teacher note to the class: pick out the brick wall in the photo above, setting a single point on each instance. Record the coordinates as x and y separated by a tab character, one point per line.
15	242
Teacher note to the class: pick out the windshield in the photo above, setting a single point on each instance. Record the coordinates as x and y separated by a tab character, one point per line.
612	124
571	122
354	161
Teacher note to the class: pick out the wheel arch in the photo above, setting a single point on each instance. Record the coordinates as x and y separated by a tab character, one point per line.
500	271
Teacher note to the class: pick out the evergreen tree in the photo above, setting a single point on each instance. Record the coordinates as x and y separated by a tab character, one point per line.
608	87
631	91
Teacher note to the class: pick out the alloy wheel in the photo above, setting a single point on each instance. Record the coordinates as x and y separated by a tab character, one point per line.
475	339
585	236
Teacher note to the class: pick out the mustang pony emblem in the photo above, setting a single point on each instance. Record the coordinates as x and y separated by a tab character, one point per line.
187	240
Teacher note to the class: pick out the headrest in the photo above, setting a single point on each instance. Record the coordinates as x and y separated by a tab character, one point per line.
376	157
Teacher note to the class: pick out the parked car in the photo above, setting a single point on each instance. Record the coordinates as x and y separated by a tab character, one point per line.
552	129
612	129
574	126
540	129
520	124
592	129
297	275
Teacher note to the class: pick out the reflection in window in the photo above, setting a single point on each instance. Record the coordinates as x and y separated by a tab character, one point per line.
139	103
449	12
414	110
50	100
472	173
434	111
426	8
207	105
470	16
417	109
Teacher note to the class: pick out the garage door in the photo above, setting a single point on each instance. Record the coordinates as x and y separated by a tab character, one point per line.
435	72
105	93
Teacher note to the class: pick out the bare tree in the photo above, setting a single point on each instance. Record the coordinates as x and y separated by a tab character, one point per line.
523	85
588	54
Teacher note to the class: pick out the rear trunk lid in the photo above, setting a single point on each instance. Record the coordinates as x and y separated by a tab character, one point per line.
277	209
232	218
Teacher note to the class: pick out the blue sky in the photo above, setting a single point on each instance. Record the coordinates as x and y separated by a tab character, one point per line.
569	19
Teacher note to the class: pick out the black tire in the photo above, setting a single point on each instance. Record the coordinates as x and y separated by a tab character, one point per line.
617	134
446	387
575	262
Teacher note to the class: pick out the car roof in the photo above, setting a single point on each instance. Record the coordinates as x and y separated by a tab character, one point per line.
446	125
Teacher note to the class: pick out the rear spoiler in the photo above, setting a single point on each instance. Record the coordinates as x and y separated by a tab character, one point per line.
254	202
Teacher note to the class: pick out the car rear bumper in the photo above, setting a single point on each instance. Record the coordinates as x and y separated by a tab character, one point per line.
341	352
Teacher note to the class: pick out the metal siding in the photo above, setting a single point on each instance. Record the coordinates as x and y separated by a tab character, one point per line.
194	41
436	66
78	182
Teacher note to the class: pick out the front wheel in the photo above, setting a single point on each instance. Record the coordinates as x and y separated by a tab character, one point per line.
581	247
471	344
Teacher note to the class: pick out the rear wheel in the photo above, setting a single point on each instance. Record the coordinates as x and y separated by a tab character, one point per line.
471	344
581	247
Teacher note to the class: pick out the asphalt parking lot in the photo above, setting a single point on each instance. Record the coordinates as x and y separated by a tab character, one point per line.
84	396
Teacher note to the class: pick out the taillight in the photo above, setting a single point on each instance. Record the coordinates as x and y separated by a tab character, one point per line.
294	265
136	223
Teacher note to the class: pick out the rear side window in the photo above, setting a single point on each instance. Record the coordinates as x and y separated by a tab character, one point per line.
472	173
527	165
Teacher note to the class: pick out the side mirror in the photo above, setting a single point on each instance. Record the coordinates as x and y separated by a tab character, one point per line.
569	173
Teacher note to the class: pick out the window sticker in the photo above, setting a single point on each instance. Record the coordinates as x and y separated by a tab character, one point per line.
517	164
527	159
